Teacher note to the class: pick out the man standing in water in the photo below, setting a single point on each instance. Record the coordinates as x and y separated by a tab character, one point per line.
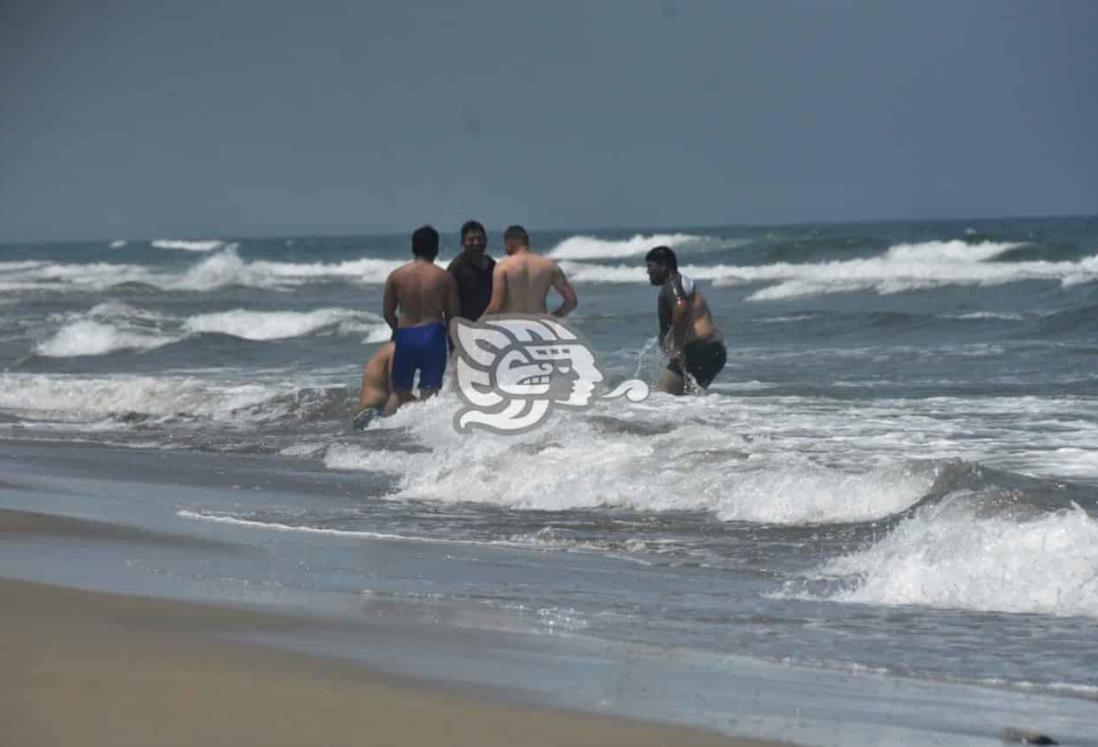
426	296
472	271
687	332
522	279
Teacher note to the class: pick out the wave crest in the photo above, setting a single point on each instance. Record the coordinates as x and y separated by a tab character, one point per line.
114	326
590	247
949	556
204	245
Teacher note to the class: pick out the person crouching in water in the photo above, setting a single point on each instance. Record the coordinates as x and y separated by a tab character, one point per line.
425	296
688	335
376	388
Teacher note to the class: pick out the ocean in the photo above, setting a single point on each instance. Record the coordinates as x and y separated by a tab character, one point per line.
895	477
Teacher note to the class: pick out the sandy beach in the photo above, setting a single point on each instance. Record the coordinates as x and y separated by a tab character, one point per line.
99	669
137	610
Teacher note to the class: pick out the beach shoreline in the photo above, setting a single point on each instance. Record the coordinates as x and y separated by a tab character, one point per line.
169	590
93	668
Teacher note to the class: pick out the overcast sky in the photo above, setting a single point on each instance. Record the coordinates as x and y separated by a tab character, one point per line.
153	119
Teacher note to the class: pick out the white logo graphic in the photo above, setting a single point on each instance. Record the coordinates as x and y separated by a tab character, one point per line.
512	370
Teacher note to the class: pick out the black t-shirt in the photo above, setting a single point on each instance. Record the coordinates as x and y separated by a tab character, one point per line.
474	284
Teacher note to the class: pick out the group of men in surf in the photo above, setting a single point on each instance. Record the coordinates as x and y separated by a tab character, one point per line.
420	298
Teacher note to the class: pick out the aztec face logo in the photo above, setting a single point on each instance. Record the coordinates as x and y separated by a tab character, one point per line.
512	370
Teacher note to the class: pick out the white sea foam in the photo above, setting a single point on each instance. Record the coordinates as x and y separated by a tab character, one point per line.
907	267
19	265
279	527
585	272
275	526
218	270
89	337
205	245
946	556
227	268
904	267
223	269
63	276
574	462
117	244
818	495
982	315
106	328
80	398
115	326
590	247
276	325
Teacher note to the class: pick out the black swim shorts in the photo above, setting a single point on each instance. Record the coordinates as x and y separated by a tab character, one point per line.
704	360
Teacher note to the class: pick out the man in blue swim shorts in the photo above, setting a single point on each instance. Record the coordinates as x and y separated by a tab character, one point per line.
419	297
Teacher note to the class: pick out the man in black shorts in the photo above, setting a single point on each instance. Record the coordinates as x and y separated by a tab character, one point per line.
694	347
472	271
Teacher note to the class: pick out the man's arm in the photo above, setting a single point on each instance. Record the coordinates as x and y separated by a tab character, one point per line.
663	311
453	301
680	322
499	291
389	305
564	288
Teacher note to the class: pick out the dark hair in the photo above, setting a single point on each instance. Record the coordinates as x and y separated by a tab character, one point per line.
664	256
516	235
425	242
472	225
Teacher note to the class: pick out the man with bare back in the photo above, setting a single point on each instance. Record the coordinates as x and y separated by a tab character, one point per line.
426	296
693	343
522	279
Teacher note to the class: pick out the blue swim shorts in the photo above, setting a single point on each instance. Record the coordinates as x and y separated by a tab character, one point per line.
422	348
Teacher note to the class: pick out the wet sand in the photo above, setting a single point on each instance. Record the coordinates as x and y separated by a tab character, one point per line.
88	669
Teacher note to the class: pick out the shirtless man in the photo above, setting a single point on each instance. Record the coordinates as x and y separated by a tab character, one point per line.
687	332
375	387
425	295
522	279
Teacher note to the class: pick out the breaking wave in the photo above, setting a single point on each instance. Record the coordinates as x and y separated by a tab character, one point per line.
75	398
106	328
277	325
589	247
907	267
112	327
89	337
903	267
222	269
950	555
207	245
583	462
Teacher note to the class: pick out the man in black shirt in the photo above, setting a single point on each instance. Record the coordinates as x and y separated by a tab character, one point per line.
472	271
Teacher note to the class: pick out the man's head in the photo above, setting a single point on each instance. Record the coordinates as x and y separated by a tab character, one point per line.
473	238
662	264
425	243
515	238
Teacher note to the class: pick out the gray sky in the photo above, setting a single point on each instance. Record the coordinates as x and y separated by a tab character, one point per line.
151	119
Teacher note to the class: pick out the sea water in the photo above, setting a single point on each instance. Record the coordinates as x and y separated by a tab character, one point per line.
897	471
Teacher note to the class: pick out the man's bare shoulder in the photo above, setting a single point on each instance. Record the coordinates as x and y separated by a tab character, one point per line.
421	270
509	264
401	271
438	273
543	264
